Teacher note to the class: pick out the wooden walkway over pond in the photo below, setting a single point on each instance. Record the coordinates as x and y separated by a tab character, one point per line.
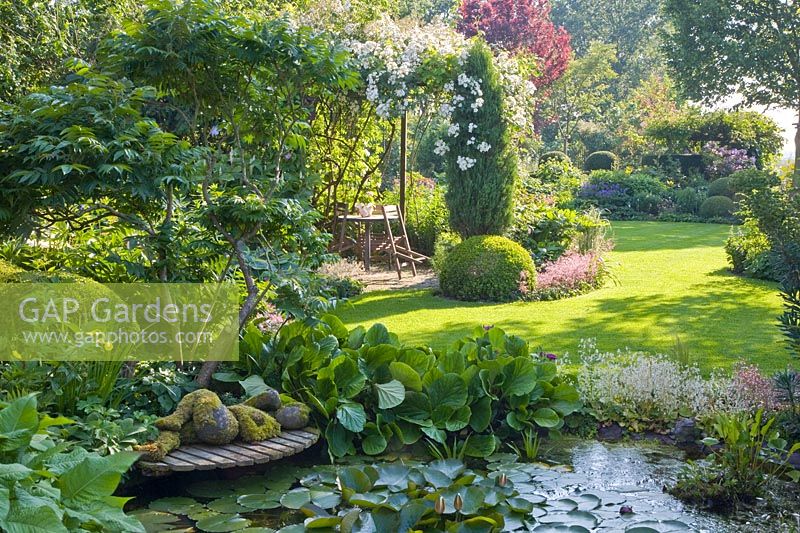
209	457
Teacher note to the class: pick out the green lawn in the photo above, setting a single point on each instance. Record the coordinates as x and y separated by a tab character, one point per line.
671	281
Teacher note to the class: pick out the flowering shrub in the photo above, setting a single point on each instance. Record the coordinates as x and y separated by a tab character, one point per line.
643	391
754	388
724	161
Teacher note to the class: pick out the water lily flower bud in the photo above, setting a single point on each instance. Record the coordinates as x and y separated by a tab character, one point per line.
502	480
625	509
458	503
439	506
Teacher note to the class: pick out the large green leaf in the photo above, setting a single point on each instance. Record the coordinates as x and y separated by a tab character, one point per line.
18	422
25	519
377	334
448	390
95	477
352	416
520	377
390	394
339	440
545	417
348	378
254	385
406	375
481	445
415	408
338	329
481	414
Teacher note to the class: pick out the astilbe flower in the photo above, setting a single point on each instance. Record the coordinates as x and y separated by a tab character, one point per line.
571	271
270	319
754	389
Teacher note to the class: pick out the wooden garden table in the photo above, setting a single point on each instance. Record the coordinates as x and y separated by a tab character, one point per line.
367	223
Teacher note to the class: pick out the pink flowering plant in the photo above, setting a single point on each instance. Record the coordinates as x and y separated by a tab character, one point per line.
571	274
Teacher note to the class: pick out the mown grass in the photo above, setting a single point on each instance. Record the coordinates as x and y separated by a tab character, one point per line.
671	282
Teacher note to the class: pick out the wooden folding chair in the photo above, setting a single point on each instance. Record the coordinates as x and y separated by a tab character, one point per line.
399	247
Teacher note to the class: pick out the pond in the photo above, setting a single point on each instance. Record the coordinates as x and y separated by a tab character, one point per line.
582	486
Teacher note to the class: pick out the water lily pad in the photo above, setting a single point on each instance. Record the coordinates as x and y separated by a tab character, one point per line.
587	501
249	485
572	518
320	522
654	526
325	499
222	523
210	489
452	468
394	476
177	505
368	500
296	498
258	501
227	505
257	530
202	513
558	528
294	528
563	504
154	521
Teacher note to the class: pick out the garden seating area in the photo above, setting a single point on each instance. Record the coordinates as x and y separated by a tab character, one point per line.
435	266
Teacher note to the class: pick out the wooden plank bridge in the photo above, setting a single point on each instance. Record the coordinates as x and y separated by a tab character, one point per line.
209	457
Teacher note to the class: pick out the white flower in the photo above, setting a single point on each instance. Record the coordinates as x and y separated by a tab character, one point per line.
484	147
440	148
471	141
465	163
472	127
453	130
477	105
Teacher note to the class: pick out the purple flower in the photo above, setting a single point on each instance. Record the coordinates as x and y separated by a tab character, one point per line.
214	131
550	356
726	161
487	327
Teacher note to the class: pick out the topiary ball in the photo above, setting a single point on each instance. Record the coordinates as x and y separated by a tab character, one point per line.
717	207
554	155
721	187
601	161
489	268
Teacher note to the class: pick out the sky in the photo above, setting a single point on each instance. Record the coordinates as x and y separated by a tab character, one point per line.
786	119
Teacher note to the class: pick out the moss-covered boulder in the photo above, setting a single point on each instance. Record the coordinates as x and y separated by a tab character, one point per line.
268	400
293	416
254	424
183	412
158	449
213	421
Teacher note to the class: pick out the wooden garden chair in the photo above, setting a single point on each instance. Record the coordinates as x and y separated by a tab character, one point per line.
399	246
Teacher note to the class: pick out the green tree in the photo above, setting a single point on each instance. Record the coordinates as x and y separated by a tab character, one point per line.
481	168
630	26
582	93
748	47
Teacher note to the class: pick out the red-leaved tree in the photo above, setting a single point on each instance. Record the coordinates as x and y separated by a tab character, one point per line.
520	25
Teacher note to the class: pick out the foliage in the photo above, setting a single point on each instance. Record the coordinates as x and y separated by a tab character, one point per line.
444	243
749	252
581	94
689	131
688	200
547	231
480	162
714	58
370	392
529	450
520	26
487	268
342	277
106	430
721	187
556	155
717	207
601	161
752	452
553	181
623	195
45	488
650	391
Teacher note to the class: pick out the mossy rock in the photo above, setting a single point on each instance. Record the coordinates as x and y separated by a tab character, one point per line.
213	422
254	425
268	400
158	449
294	416
183	412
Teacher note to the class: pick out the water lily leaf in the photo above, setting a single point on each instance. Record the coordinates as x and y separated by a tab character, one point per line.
452	468
200	514
258	501
153	520
410	514
355	479
587	502
437	478
325	499
176	505
296	498
367	499
257	530
572	518
406	375
559	528
655	526
520	377
545	417
294	528
448	390
352	416
320	522
392	475
226	505
210	489
390	394
519	505
222	523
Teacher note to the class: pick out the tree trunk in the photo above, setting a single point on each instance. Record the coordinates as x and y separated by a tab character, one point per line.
796	179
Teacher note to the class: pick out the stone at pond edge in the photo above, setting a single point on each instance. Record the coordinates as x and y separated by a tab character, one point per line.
254	424
293	416
268	400
214	423
610	433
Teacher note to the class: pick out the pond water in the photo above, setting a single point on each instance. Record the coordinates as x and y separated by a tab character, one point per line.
586	494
